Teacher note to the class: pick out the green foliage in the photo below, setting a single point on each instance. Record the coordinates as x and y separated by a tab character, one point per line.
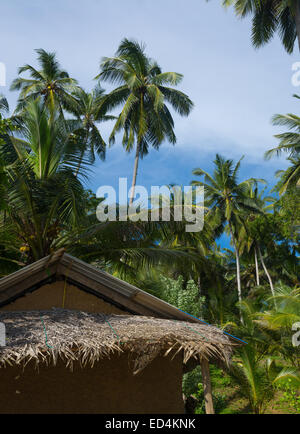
289	142
250	375
278	320
50	83
191	381
268	18
47	150
192	385
89	109
289	211
143	92
6	125
291	394
184	296
219	400
41	187
218	377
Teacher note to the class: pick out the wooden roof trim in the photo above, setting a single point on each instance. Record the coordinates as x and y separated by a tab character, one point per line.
48	265
24	276
138	296
72	265
16	287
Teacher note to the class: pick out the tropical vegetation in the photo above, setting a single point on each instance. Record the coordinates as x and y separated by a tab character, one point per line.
48	147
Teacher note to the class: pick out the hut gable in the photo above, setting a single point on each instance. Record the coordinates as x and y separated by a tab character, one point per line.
61	294
63	281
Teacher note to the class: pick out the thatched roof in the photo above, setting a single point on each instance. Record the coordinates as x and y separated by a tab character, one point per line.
46	336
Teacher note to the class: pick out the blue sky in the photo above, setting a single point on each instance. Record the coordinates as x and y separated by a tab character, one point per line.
236	89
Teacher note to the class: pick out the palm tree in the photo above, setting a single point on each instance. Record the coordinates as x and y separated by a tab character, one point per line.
280	320
257	369
291	176
256	378
270	17
42	195
7	126
249	235
46	206
50	82
4	107
289	143
228	202
121	247
89	110
143	91
288	308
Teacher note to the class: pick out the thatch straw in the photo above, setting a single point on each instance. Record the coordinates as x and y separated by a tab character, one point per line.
46	336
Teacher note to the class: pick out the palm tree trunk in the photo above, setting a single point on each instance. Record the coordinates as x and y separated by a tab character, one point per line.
256	266
297	21
266	271
238	270
135	169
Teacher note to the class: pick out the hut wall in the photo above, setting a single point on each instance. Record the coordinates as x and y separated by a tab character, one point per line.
108	387
52	295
